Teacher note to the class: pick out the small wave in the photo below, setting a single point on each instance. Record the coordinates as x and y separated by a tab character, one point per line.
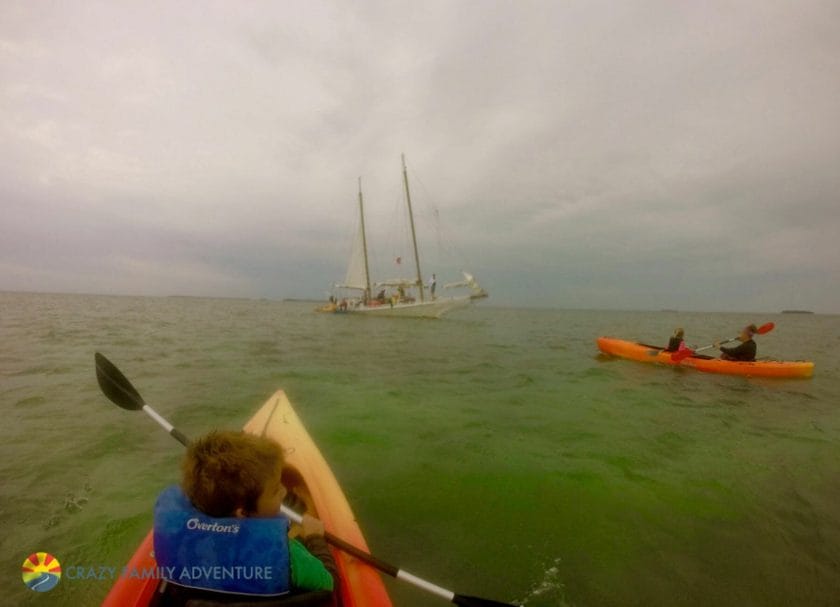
548	591
523	379
589	375
73	503
31	401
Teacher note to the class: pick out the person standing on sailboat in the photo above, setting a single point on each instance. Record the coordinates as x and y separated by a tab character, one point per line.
432	285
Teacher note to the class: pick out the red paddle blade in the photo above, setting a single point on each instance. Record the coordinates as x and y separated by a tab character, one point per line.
681	354
765	328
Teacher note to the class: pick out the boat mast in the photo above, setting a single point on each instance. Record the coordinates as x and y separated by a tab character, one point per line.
413	235
364	243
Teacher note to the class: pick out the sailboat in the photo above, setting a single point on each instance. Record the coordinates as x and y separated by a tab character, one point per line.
405	297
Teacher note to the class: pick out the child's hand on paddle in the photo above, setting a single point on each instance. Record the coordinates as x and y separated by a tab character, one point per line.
311	526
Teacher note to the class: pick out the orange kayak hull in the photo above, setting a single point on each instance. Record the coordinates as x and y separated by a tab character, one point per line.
654	354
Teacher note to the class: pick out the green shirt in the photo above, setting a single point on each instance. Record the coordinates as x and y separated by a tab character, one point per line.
308	572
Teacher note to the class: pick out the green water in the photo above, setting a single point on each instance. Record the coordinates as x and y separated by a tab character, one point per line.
493	452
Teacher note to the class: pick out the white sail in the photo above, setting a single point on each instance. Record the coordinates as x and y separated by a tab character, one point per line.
356	277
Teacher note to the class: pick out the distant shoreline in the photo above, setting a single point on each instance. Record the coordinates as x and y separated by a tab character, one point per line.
494	304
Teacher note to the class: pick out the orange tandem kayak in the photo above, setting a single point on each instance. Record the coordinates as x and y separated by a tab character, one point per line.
309	475
656	354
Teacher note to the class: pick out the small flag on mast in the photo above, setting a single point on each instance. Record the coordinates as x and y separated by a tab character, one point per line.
399	260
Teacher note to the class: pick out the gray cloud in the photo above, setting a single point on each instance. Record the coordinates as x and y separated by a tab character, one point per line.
577	154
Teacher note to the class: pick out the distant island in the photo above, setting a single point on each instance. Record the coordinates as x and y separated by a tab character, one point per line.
797	312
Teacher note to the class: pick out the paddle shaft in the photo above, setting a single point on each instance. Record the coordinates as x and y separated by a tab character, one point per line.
384	567
679	355
710	346
395	572
173	431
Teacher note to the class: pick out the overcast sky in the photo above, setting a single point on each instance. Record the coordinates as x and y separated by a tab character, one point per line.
630	155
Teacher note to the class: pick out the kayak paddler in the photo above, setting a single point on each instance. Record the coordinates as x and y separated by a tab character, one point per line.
220	533
745	351
676	342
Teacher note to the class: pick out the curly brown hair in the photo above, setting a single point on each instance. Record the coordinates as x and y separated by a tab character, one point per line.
226	470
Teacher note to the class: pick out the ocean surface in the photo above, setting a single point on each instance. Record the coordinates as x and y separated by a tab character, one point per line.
494	452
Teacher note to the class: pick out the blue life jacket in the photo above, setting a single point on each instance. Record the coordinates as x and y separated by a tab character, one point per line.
238	555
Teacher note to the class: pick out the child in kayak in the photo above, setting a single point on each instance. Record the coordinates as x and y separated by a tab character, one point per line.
221	531
745	351
676	343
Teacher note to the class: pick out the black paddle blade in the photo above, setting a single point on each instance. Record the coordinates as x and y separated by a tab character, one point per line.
115	385
474	601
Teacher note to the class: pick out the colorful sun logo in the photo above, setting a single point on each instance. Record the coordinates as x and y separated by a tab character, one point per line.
41	571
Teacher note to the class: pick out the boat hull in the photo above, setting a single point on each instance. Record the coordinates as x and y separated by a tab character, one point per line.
435	308
310	476
654	354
